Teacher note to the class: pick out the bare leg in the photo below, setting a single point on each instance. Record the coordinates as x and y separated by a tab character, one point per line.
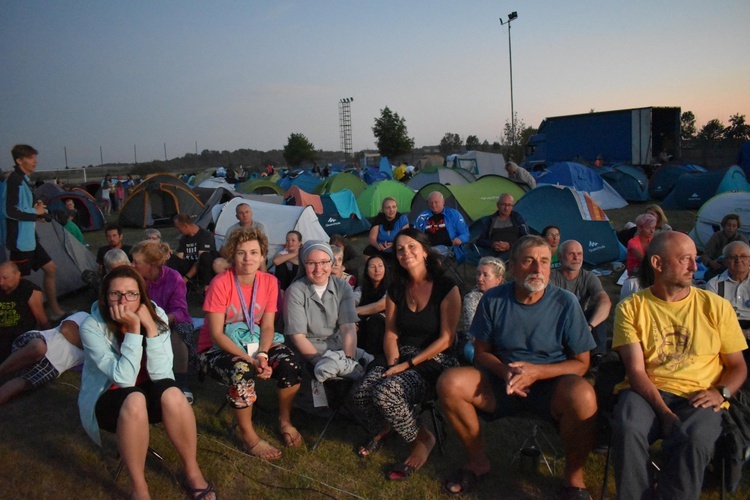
23	357
462	391
132	441
50	287
13	388
574	407
179	423
250	438
421	448
289	433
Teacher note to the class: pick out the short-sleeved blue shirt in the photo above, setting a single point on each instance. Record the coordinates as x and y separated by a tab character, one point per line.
549	331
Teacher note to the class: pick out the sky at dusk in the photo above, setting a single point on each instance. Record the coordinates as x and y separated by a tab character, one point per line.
228	75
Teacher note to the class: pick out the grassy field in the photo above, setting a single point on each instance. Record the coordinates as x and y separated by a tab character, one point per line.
46	454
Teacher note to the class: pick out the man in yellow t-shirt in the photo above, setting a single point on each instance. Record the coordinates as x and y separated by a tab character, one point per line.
682	351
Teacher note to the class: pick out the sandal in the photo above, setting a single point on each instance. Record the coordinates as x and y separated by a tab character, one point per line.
261	450
371	447
291	436
400	472
465	479
200	493
574	493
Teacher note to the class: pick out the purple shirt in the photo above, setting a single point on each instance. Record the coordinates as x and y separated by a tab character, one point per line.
170	293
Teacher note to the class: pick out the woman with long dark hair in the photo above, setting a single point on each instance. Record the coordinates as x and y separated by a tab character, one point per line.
421	315
370	301
128	383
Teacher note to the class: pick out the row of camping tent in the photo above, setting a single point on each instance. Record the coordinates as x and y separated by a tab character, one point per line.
577	215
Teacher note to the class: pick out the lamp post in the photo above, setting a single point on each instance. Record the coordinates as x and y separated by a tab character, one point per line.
513	15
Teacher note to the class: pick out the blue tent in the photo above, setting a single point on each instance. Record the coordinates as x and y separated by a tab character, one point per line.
89	217
631	182
385	167
743	158
692	191
665	177
581	178
578	217
302	179
341	214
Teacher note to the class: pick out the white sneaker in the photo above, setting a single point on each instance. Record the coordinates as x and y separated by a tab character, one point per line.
188	396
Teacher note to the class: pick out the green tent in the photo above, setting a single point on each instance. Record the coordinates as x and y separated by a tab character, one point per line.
474	200
339	182
260	186
371	199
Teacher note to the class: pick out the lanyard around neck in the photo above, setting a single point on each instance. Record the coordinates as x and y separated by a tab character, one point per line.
249	315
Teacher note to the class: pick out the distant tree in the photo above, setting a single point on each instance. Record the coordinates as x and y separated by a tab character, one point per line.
392	136
526	133
485	146
298	149
687	126
496	146
737	129
508	137
450	143
472	143
712	131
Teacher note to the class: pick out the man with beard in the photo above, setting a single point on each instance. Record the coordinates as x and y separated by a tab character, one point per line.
682	351
531	351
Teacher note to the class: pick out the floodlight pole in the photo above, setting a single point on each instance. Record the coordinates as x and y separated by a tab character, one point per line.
345	124
513	15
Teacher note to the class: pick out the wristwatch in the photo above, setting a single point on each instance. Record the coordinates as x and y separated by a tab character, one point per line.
725	393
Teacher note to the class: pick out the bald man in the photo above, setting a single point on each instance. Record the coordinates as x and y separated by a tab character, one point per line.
501	229
444	226
682	351
21	307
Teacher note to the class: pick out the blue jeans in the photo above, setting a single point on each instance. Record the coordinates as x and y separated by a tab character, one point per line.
687	449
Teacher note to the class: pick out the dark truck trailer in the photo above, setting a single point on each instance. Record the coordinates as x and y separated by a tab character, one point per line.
636	136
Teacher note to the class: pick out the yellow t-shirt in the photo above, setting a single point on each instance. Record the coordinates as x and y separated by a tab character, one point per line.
681	340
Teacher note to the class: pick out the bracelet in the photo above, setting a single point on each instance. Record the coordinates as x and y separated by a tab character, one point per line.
410	363
262	354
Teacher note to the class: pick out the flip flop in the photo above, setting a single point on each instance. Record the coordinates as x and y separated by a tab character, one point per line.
465	479
400	472
371	447
291	436
258	449
200	493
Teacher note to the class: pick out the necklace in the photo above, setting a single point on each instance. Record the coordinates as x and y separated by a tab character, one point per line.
411	297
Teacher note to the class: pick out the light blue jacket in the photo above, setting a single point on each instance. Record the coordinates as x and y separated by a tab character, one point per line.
106	362
454	223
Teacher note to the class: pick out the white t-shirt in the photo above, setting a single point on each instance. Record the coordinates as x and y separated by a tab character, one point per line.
62	354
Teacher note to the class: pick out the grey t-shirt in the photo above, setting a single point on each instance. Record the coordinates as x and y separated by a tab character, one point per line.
585	286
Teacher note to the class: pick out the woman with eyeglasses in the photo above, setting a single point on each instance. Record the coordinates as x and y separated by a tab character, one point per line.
320	315
127	380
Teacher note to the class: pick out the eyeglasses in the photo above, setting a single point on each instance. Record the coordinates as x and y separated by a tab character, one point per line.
129	296
322	263
738	258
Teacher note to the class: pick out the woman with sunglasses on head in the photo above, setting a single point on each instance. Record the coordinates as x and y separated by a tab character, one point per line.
127	380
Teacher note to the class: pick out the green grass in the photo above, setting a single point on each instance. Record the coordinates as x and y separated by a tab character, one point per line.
44	452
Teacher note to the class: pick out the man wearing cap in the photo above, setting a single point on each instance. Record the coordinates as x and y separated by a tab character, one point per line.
518	174
39	357
319	310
